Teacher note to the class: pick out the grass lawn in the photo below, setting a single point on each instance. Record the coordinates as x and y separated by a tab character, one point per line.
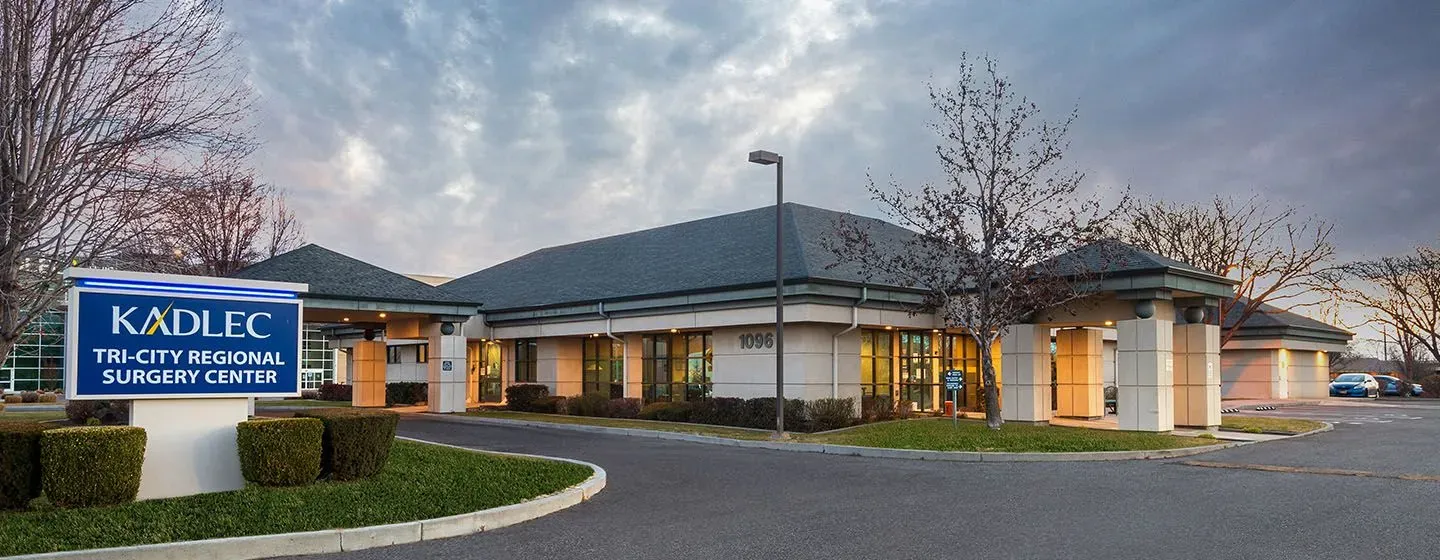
420	482
307	403
972	435
734	433
19	416
1257	424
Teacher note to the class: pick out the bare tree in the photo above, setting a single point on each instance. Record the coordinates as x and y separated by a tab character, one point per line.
102	103
1281	258
986	240
1401	292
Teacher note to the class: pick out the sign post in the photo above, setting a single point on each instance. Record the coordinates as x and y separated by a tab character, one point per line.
189	352
954	383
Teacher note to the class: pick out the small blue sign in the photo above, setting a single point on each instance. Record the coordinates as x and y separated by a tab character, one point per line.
133	343
954	380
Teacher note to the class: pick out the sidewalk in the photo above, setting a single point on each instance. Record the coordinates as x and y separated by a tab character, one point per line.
1109	422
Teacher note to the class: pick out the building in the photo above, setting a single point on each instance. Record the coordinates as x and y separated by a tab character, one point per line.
1277	354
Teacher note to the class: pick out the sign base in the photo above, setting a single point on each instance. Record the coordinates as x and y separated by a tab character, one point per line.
190	445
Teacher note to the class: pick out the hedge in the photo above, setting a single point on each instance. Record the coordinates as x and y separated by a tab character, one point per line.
1431	385
523	397
107	412
280	451
19	463
335	392
357	441
406	393
91	466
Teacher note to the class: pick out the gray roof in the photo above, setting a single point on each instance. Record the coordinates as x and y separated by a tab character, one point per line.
722	252
1270	317
1117	258
337	276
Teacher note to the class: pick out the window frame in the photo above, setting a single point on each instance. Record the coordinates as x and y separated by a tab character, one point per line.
526	361
660	370
609	363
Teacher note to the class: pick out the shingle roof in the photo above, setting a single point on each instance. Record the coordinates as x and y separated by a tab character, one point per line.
1119	258
1269	316
727	251
334	275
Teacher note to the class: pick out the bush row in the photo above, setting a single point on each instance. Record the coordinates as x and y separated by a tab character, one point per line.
406	393
1431	386
355	442
30	397
73	467
335	392
108	413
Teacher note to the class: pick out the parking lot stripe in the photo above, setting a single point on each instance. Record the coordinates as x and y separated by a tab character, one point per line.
1310	470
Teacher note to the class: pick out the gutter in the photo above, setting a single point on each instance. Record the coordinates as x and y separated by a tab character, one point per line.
624	349
835	342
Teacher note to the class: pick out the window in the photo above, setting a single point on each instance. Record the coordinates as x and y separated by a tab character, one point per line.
677	367
525	363
317	360
37	361
876	351
963	354
604	367
392	354
422	353
919	367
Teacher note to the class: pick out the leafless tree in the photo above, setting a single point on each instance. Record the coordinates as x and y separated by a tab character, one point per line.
986	239
102	104
1400	292
1280	257
226	221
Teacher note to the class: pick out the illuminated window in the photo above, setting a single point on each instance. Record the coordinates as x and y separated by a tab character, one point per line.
604	367
677	366
876	360
37	361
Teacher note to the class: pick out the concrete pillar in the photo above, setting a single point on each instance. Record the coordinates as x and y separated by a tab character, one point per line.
367	377
1079	369
447	372
1197	379
634	365
1025	355
1144	375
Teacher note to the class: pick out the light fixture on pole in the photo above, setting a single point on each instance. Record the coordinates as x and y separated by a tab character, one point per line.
763	157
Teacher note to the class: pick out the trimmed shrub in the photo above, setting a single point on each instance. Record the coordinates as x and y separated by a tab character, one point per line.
589	404
336	392
48	397
652	410
830	414
720	411
1431	385
624	408
522	397
876	408
905	408
356	443
91	466
406	393
109	413
2	407
551	405
19	463
760	413
310	394
13	399
280	451
29	397
675	412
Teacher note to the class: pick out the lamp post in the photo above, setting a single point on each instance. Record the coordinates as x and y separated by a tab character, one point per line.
763	157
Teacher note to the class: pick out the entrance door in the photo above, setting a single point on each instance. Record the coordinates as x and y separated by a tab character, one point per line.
491	382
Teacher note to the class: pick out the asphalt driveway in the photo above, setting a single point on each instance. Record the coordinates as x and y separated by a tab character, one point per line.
669	499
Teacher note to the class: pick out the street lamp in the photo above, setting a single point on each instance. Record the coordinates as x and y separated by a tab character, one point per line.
763	157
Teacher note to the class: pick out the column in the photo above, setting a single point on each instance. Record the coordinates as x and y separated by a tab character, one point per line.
1079	369
446	373
1025	358
1197	380
1143	370
367	377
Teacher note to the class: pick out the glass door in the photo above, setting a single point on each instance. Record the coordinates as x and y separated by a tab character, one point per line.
492	381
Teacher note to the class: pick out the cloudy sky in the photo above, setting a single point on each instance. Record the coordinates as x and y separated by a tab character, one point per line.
445	136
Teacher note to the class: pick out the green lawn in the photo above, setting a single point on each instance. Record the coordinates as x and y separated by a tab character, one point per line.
420	482
308	403
680	427
938	434
1256	424
19	416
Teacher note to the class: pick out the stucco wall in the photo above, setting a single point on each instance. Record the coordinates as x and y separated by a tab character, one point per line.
1250	373
558	364
408	370
750	372
1309	374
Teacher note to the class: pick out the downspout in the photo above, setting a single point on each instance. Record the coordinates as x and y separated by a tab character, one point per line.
624	351
835	342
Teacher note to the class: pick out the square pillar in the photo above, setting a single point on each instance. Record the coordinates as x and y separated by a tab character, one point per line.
1025	358
446	369
1144	375
1197	379
1079	369
367	377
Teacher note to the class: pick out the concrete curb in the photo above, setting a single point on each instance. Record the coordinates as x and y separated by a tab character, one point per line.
855	451
359	538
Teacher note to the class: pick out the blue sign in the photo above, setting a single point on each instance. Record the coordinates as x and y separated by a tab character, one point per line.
141	340
954	380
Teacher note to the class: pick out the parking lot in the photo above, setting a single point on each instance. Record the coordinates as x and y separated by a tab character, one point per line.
1391	436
